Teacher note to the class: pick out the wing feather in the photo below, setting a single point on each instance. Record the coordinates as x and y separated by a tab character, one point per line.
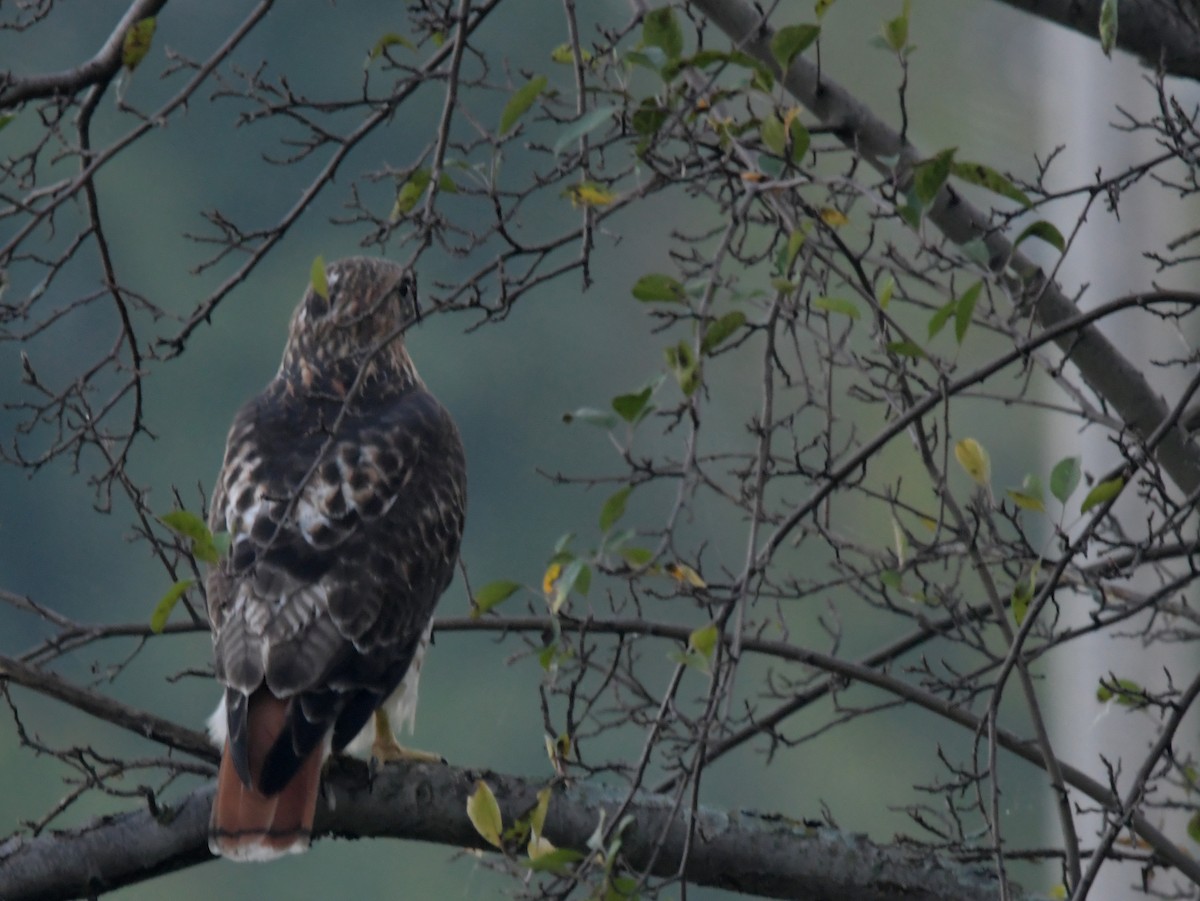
341	547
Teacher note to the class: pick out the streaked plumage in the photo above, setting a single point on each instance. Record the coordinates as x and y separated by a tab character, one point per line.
344	492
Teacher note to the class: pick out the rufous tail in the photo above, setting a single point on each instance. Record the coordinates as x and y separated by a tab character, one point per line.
249	825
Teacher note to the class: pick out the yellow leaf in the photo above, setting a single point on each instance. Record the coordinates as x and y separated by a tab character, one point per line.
1059	892
1026	501
537	819
753	176
789	116
588	194
681	572
484	813
540	846
704	640
553	571
320	284
136	43
558	750
832	217
974	459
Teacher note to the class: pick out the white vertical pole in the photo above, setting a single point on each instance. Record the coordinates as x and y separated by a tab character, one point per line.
1082	90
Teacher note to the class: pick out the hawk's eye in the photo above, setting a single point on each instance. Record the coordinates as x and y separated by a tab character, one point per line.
405	287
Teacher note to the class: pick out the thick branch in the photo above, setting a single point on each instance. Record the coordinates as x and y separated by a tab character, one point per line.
97	70
1103	367
765	855
1159	32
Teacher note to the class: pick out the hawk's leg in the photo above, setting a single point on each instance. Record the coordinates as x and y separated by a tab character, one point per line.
386	749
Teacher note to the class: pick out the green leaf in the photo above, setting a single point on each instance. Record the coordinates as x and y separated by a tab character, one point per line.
719	330
704	640
582	126
492	594
1020	601
1108	26
633	407
320	284
576	576
895	31
136	43
390	39
939	319
773	134
637	557
658	287
889	578
410	192
683	364
884	292
557	861
929	175
660	28
837	305
162	610
989	178
964	309
1125	692
822	6
1064	478
1022	595
592	416
905	349
795	241
688	658
649	117
1193	827
1046	232
792	40
564	53
1102	493
800	139
187	524
614	508
651	58
484	813
520	102
5	119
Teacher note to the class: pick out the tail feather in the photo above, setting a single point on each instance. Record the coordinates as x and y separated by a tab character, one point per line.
247	824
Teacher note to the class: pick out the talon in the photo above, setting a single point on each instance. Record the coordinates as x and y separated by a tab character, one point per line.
385	748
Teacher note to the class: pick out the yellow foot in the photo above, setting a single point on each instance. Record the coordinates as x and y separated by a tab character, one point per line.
385	748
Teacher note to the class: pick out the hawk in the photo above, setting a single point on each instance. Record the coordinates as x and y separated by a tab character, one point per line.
343	490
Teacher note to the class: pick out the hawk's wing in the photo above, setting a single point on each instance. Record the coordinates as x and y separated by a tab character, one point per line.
341	544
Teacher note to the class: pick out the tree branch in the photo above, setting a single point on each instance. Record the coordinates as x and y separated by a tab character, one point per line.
771	856
97	70
139	721
1158	32
1110	374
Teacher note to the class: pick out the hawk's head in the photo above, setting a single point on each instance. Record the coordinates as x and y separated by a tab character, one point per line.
357	323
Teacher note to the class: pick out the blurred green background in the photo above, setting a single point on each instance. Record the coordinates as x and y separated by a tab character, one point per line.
976	76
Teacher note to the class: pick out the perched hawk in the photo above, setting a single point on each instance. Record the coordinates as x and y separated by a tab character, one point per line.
343	491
